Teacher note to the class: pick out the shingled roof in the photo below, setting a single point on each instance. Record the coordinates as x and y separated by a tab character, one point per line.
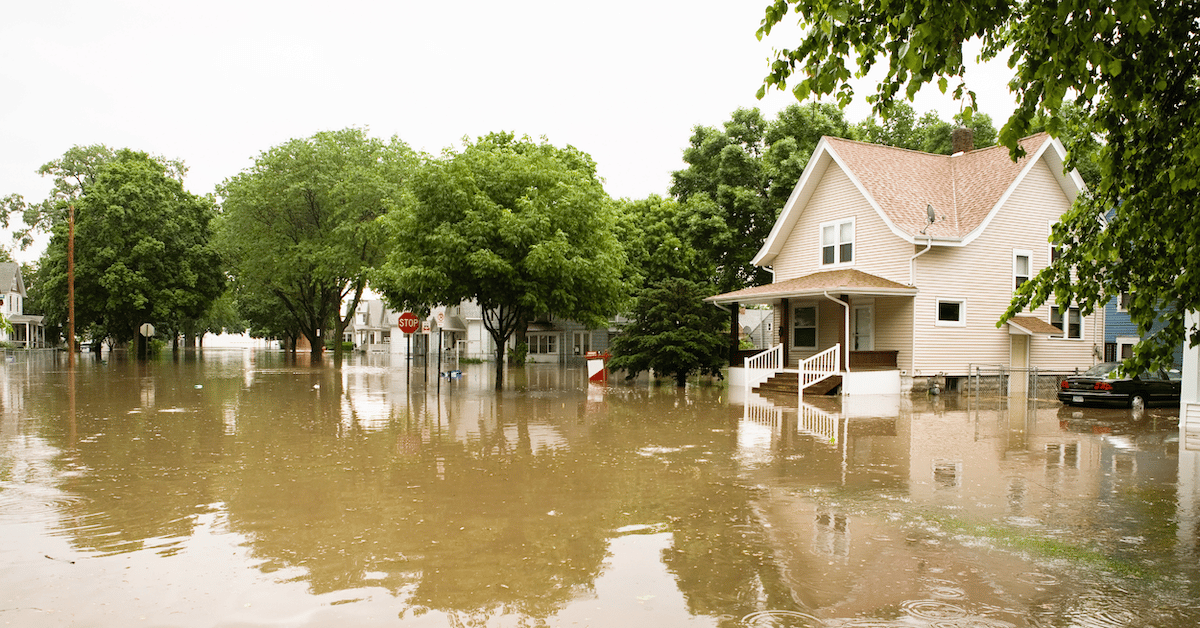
836	282
965	190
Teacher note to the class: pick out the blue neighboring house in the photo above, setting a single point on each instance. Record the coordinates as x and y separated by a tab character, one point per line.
1120	333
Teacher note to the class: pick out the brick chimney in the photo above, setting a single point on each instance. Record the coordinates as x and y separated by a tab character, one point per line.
962	140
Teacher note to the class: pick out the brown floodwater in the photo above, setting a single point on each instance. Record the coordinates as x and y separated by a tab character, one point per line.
246	489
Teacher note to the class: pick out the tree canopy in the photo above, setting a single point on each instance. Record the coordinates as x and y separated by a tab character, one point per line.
300	229
142	252
1131	68
524	228
673	331
739	177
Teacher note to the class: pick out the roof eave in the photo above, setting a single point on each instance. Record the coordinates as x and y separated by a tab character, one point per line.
771	297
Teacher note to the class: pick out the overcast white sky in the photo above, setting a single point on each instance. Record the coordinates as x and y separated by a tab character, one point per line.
218	82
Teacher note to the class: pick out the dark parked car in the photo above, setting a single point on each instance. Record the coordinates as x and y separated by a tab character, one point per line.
1105	385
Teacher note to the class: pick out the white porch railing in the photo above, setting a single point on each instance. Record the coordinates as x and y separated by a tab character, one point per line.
817	422
820	367
769	360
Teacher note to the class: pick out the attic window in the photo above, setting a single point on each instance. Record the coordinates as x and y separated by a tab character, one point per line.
837	242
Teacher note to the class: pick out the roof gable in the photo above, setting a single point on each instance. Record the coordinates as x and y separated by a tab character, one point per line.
964	190
10	278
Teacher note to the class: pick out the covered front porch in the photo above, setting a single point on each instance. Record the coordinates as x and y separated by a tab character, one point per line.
28	332
842	331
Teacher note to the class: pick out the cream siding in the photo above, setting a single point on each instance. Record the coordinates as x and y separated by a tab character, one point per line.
877	250
981	274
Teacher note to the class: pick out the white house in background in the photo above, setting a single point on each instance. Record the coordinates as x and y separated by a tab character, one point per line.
904	261
458	331
27	330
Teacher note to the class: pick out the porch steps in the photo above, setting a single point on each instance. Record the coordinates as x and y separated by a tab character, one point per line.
789	384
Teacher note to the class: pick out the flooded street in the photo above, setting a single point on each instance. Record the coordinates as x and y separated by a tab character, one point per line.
243	489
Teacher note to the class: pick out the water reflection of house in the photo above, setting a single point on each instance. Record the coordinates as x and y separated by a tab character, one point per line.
27	331
1030	466
459	331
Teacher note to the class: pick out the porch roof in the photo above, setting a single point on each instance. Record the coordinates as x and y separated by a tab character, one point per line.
846	281
1031	326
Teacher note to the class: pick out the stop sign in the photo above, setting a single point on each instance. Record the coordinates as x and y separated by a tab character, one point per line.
408	322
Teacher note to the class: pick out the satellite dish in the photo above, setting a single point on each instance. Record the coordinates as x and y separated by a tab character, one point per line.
930	218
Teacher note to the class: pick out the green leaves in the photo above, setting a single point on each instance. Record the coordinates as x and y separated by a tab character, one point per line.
303	226
1131	67
142	250
521	227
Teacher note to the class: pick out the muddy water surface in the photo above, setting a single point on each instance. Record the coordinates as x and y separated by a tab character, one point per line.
242	489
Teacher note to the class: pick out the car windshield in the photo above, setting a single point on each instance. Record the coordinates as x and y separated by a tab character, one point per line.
1174	375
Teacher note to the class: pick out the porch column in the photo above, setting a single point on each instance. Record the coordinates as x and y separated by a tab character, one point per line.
785	328
845	334
734	334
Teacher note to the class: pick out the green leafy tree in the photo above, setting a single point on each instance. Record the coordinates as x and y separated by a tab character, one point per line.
673	330
73	174
523	228
929	133
738	179
142	252
1131	68
221	318
300	229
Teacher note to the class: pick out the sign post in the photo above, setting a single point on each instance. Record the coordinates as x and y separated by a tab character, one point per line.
408	323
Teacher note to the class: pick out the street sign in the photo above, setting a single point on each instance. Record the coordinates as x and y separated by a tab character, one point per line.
147	329
408	322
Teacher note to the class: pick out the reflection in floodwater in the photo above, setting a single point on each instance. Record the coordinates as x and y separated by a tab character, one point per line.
244	489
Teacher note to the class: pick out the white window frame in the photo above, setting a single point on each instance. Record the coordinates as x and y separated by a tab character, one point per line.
1125	341
1050	248
838	243
816	324
962	312
1017	254
1066	322
1122	297
535	343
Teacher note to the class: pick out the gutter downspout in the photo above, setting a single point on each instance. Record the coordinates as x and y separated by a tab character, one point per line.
912	262
912	281
846	310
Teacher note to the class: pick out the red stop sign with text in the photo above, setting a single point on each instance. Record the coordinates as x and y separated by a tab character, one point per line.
408	322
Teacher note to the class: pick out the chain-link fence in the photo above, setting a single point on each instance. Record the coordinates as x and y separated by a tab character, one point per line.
1003	381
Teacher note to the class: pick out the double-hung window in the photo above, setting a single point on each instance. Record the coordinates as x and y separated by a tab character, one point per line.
804	327
1067	319
837	242
1021	266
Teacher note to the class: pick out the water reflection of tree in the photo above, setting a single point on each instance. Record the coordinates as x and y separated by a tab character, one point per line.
140	451
482	526
514	518
719	555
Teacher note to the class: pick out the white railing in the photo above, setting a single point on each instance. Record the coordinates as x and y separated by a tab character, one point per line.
817	422
762	414
769	360
820	367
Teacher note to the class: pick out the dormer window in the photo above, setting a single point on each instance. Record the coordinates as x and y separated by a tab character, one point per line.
837	242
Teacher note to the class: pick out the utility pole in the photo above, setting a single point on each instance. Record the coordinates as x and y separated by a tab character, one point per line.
71	285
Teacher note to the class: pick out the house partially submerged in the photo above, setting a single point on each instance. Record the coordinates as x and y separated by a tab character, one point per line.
458	332
893	266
